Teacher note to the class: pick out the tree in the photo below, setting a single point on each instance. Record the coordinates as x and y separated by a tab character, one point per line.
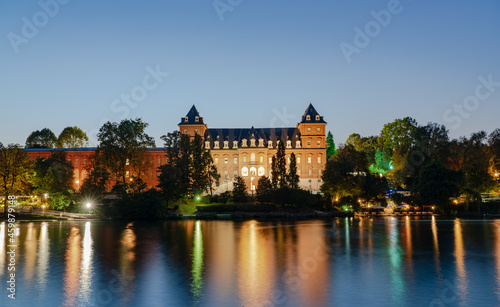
344	173
122	148
281	175
204	172
274	172
15	171
330	146
72	137
240	194
293	178
54	176
436	184
264	189
400	135
44	138
374	187
94	186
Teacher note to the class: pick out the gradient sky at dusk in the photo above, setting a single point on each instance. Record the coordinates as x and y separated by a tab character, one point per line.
260	66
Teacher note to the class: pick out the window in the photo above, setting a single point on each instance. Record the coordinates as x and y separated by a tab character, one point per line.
318	129
261	159
235	144
207	145
261	143
127	162
310	173
235	160
150	174
270	160
196	119
319	173
185	131
252	142
226	160
317	117
308	117
270	144
318	143
226	144
216	145
76	162
186	119
84	161
309	143
297	144
216	160
298	172
196	131
252	157
319	159
288	160
244	172
244	159
253	172
308	159
298	159
244	143
127	174
270	174
226	176
261	171
235	173
308	129
288	144
159	161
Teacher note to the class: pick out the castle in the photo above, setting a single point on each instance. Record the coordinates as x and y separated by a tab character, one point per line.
245	152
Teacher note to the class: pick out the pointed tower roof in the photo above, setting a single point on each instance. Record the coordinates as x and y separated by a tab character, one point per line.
192	117
312	116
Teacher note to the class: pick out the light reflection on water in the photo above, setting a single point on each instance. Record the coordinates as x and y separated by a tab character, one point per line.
389	261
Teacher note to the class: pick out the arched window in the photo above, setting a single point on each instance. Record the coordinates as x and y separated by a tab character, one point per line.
216	145
308	117
244	172
196	119
261	171
253	171
252	157
235	144
317	117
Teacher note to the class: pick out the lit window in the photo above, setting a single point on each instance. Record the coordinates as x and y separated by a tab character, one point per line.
244	143
235	160
270	144
252	142
310	173
127	162
309	143
288	160
207	145
308	129
261	159
318	143
76	161
298	159
253	172
298	172
252	157
319	159
270	160
308	159
216	160
127	174
196	119
297	144
308	117
318	129
261	143
216	145
226	144
244	172
288	144
226	160
244	159
261	171
317	117
235	144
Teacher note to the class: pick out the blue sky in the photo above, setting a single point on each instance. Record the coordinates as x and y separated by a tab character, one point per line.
254	63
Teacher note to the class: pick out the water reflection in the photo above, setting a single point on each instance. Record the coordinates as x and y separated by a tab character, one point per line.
460	260
3	252
43	259
395	256
197	264
86	266
30	252
72	272
435	244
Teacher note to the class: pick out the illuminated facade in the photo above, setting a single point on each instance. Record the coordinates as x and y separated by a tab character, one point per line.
247	152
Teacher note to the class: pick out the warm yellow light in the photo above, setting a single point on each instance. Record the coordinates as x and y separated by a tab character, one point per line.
88	205
455	201
77	182
496	174
43	207
130	179
432	207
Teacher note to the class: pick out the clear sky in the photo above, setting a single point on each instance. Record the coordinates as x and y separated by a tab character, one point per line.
248	63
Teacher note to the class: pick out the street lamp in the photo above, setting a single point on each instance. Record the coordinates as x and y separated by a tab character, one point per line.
88	206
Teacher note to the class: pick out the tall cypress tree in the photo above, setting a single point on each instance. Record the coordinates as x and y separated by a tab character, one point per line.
330	146
281	166
274	173
293	178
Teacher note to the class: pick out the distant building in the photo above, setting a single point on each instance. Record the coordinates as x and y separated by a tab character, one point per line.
246	152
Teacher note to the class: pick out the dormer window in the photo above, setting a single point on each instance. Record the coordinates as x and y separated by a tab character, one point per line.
252	142
297	144
317	117
235	144
244	143
288	144
186	119
216	145
207	145
261	143
270	144
308	117
197	119
226	144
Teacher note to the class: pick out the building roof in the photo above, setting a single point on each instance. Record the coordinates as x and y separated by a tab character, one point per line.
314	116
238	134
191	116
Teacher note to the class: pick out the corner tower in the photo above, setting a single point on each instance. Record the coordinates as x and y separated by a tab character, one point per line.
192	123
312	129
